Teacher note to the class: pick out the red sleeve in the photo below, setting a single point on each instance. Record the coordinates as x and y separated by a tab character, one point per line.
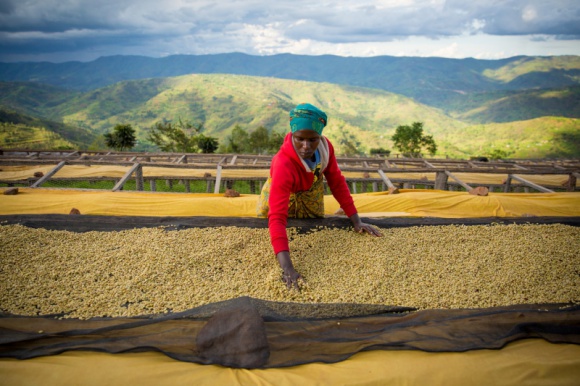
337	184
280	189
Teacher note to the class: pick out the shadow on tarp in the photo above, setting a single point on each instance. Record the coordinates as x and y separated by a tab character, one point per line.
251	333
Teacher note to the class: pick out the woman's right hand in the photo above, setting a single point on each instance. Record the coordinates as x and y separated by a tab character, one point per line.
289	274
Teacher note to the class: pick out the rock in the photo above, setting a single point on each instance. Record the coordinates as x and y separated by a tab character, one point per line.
231	193
11	191
393	191
366	175
38	174
235	337
206	175
479	191
74	211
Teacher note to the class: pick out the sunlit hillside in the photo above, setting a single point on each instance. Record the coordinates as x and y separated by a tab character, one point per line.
363	117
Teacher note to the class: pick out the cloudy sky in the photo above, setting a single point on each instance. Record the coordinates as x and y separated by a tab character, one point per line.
83	30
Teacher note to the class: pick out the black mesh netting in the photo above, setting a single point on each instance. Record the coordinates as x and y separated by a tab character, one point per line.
250	333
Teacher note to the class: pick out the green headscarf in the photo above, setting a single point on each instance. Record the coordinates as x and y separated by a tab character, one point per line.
307	117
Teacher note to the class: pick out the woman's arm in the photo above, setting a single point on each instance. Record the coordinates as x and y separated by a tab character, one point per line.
289	274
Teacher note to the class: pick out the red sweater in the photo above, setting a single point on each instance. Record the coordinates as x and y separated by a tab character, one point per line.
289	175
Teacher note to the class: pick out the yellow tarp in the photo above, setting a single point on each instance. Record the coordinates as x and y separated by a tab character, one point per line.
528	362
19	173
521	363
410	202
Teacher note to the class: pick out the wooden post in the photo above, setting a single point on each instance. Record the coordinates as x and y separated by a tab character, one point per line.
571	184
465	186
532	185
218	179
139	178
187	186
71	154
153	185
386	179
508	183
441	181
122	181
51	173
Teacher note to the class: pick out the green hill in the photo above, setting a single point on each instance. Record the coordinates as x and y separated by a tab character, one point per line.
516	106
33	98
222	101
19	130
363	116
431	81
546	137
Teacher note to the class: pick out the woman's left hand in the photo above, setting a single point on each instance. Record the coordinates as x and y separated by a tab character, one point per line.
362	227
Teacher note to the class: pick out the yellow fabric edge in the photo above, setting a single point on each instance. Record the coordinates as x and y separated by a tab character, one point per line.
525	362
409	202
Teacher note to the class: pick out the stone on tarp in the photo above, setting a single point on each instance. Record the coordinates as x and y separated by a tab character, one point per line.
74	211
38	174
231	193
235	337
11	191
479	191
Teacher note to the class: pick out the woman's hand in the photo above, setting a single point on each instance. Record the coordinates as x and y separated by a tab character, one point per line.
362	227
289	274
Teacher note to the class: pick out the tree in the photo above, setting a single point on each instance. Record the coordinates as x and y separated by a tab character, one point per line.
238	141
410	140
380	151
207	144
497	154
181	137
276	141
122	138
260	140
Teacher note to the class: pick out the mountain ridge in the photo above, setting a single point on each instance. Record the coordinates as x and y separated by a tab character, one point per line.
360	116
428	80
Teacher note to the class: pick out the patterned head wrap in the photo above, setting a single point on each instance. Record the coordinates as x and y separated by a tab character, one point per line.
307	117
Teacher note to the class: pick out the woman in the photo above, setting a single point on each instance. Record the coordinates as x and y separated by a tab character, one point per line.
295	187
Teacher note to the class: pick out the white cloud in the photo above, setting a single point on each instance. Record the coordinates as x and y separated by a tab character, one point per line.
529	13
451	28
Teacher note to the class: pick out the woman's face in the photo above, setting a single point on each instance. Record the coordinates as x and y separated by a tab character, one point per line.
306	142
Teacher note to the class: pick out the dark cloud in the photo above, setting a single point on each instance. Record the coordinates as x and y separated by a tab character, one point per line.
7	6
203	26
